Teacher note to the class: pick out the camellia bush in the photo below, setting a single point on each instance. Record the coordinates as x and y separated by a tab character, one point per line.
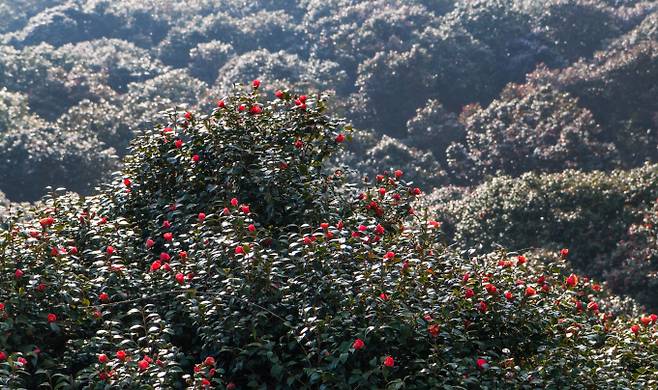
227	256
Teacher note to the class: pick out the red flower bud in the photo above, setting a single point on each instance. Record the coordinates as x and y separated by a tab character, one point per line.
102	358
340	138
155	265
469	293
210	361
121	355
572	280
358	344
104	297
202	217
143	365
52	317
255	83
389	362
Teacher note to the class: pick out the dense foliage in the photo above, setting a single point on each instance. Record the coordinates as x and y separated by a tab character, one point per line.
604	218
101	69
227	258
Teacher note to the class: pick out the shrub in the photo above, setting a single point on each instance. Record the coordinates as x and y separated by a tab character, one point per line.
234	269
531	127
589	212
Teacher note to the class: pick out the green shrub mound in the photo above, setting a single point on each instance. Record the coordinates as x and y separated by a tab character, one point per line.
227	256
595	214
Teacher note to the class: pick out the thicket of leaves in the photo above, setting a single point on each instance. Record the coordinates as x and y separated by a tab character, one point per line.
103	67
595	214
227	258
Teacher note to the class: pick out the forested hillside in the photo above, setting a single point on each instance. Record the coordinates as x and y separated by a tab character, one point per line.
328	194
453	92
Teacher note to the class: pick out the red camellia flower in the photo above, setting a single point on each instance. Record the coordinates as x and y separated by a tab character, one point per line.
156	265
143	365
3	356
52	317
205	382
150	243
324	226
508	295
564	252
491	288
635	328
245	209
121	355
22	361
180	278
102	358
168	236
279	94
340	138
127	182
482	306
398	173
389	362
182	255
593	306
358	344
469	293
433	330
529	291
110	250
572	280
178	143
104	297
234	202
202	217
18	273
2	306
210	361
520	260
481	363
416	191
73	250
188	115
299	144
379	229
384	296
255	83
45	222
241	107
389	255
164	256
221	104
196	158
239	250
251	228
255	110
